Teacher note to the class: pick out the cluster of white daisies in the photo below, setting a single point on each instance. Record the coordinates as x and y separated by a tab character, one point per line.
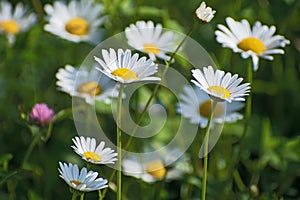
84	180
80	21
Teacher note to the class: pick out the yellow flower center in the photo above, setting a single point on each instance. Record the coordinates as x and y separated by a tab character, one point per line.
124	73
91	156
10	26
223	92
205	107
77	183
156	169
77	26
151	48
92	88
252	44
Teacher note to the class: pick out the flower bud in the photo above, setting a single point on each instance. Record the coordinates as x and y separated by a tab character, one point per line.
205	14
41	114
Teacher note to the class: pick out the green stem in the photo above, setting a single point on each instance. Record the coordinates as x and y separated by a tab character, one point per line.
247	111
33	143
161	186
239	182
119	143
8	55
247	119
5	179
38	8
82	196
48	134
249	99
182	41
206	139
100	195
74	196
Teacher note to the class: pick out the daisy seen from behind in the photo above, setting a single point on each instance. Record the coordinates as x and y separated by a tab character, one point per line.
78	21
90	85
258	42
220	86
196	105
204	13
151	39
14	21
93	153
83	180
124	67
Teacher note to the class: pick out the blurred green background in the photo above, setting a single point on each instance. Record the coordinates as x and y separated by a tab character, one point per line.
269	167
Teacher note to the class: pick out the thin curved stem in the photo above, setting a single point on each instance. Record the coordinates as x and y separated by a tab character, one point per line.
38	8
100	195
48	134
33	143
168	63
206	139
74	196
82	196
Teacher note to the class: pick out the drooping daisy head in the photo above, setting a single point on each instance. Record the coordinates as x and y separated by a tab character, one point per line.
82	180
196	105
13	21
91	85
220	86
155	169
150	39
78	21
93	153
205	14
259	41
123	67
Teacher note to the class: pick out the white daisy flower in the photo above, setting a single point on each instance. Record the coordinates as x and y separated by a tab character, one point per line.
195	104
90	85
220	86
155	169
126	68
14	21
258	42
82	180
150	39
205	14
87	149
78	21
